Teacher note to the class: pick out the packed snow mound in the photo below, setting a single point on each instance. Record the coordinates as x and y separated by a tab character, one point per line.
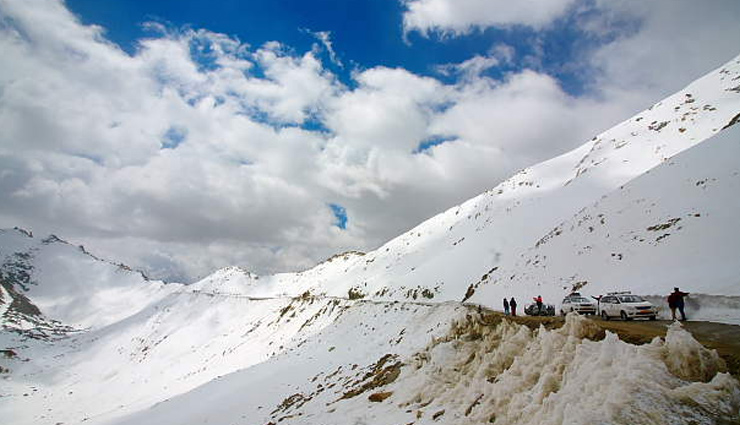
510	375
507	374
68	284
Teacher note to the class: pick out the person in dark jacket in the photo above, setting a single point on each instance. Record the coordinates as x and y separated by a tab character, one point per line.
512	304
506	306
675	301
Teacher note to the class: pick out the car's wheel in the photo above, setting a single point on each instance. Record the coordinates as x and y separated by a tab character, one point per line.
623	315
562	313
652	317
604	315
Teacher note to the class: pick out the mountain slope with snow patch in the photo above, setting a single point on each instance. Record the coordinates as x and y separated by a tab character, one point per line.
68	284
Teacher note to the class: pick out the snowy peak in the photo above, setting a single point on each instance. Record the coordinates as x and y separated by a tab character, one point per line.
54	279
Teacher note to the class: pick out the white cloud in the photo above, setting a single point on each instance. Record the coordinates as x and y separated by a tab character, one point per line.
676	42
471	68
463	16
642	41
81	149
503	53
324	37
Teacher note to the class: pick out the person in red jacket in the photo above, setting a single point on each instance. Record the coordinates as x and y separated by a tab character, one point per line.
675	301
538	300
512	304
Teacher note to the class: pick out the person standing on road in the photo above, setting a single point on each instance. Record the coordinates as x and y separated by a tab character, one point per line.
512	304
598	304
675	301
506	306
538	300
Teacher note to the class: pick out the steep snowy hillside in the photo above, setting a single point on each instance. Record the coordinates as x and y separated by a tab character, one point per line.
49	277
674	226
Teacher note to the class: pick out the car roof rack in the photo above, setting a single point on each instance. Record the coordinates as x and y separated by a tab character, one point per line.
619	293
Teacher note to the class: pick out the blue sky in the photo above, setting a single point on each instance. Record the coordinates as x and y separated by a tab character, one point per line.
184	136
364	33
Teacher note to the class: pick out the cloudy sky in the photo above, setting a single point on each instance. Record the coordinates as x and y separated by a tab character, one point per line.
180	136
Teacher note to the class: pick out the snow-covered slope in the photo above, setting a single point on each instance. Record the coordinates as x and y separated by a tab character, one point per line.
674	226
382	337
190	339
70	285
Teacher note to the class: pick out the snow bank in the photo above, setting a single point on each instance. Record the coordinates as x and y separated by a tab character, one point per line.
511	375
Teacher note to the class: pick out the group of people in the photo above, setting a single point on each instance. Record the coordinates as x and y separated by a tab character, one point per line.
510	305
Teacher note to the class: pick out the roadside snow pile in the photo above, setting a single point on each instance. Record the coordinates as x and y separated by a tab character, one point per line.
508	374
482	369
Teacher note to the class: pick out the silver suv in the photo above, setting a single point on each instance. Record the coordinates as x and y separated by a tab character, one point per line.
577	303
626	306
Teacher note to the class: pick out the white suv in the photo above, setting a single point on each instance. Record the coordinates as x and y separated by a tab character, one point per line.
577	303
626	306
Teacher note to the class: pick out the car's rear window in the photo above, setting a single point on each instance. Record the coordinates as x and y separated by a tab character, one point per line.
630	299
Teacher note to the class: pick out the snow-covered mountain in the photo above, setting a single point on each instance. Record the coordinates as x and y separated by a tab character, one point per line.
48	278
382	337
